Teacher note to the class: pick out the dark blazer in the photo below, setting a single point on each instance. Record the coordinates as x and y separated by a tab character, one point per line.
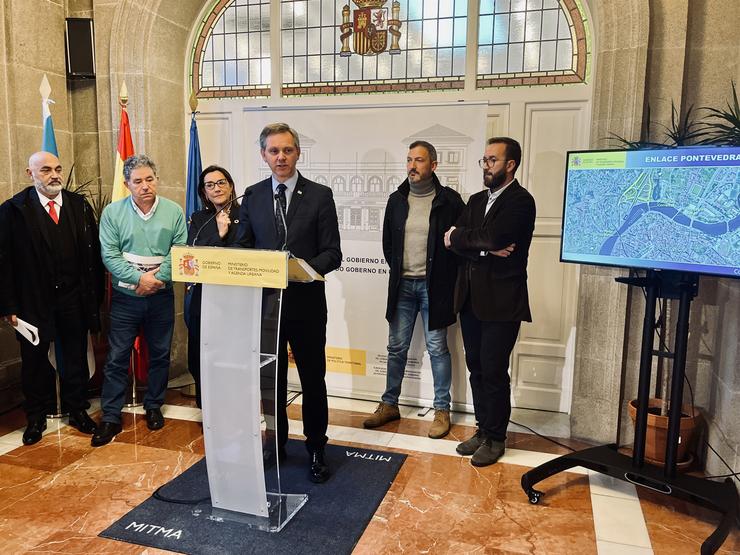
313	234
208	236
26	267
497	286
441	262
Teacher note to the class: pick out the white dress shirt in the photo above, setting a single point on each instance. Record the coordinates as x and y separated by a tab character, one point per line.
44	200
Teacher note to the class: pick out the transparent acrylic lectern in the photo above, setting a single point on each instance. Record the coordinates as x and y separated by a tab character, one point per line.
239	338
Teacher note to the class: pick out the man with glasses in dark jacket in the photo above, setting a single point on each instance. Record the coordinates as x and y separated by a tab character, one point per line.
422	280
493	236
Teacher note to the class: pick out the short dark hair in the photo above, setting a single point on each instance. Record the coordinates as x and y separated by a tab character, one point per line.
274	129
513	149
202	184
137	161
429	148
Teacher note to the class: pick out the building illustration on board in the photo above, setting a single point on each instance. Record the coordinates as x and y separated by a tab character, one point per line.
362	186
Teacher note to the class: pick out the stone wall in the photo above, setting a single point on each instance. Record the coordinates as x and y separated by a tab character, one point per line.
31	45
85	113
691	57
151	61
621	41
712	62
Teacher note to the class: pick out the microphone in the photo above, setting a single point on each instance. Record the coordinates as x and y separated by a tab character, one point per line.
228	204
282	217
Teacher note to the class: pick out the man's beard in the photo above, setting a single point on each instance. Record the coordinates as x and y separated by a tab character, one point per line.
416	177
50	189
494	180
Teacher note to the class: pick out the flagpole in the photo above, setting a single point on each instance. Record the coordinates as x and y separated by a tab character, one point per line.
124	148
48	140
49	144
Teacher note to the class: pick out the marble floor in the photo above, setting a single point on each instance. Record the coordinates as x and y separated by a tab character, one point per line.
57	495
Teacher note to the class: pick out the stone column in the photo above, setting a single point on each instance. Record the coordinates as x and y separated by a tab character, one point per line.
621	39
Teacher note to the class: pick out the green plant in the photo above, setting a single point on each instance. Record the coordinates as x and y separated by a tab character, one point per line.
682	131
96	198
719	127
643	143
723	126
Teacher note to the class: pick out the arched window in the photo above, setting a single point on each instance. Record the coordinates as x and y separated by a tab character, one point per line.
357	183
530	42
340	46
375	184
368	46
337	183
232	51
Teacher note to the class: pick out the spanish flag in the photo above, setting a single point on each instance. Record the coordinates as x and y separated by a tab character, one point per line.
125	149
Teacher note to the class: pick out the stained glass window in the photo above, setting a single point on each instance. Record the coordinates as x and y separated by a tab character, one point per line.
236	52
530	42
366	46
337	46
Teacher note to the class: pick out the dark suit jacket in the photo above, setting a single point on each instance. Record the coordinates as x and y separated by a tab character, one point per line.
441	263
497	286
202	221
26	263
313	234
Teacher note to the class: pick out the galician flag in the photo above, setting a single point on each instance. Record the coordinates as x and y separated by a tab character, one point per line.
48	142
124	150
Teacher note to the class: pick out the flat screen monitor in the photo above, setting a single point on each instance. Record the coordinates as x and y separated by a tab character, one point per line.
670	209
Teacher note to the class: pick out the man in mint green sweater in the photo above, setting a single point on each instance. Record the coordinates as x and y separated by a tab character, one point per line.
136	235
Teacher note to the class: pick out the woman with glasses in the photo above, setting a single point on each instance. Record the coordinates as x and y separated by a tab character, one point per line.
216	226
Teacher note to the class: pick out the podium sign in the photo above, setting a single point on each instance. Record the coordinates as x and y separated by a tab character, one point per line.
229	266
240	323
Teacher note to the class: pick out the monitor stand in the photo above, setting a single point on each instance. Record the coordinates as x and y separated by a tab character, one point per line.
605	459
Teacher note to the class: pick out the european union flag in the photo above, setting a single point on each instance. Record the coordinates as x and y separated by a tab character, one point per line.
192	201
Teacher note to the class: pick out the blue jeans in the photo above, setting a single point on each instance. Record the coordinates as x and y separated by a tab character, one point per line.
155	315
412	299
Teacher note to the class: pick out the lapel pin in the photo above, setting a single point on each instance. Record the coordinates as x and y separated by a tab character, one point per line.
300	192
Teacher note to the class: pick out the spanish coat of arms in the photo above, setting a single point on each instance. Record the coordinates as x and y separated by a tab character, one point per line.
371	27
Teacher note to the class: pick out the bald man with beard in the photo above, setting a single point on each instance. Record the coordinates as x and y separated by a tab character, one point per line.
51	276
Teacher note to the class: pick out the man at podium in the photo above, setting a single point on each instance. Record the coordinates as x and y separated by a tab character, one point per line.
286	211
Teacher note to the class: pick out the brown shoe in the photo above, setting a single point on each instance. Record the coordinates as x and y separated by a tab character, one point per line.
383	414
441	425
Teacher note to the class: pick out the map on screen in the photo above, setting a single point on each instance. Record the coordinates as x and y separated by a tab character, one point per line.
672	209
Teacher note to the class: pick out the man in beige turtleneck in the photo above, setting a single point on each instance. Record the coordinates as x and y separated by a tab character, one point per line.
422	280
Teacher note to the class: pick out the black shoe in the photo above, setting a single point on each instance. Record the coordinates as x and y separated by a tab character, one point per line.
81	420
488	453
318	471
154	419
105	433
33	431
269	458
470	446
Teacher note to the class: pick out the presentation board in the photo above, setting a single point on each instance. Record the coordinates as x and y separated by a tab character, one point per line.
361	154
669	209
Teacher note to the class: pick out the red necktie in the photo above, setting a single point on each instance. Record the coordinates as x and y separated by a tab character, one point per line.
53	212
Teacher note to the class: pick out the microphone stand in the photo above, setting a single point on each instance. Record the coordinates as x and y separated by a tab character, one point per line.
227	205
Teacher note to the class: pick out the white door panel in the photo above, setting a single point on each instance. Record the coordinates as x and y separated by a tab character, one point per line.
542	356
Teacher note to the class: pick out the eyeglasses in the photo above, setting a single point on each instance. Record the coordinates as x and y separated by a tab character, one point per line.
211	185
486	162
